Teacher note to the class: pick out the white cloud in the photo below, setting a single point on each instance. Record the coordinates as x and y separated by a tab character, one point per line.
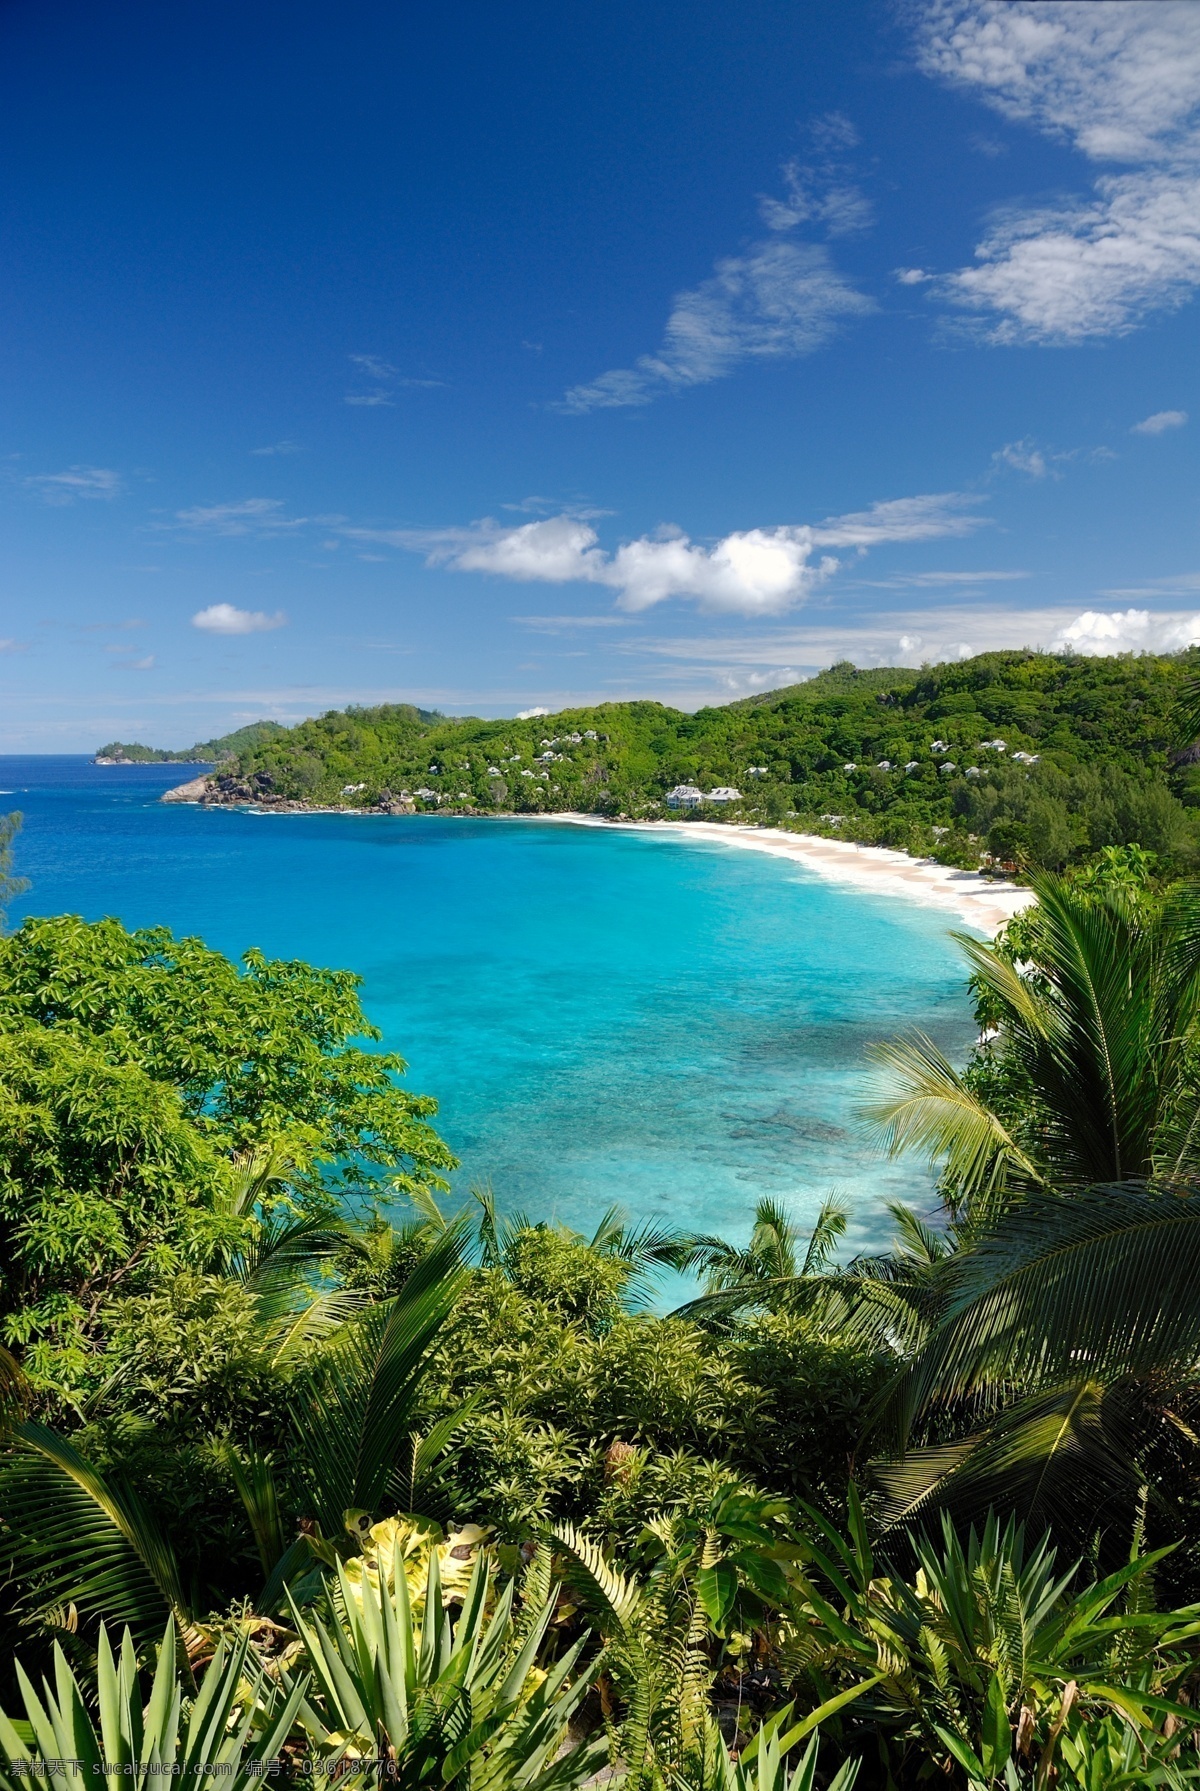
1120	82
135	665
530	714
1162	419
750	572
781	299
1092	267
223	618
77	482
1127	631
284	447
911	276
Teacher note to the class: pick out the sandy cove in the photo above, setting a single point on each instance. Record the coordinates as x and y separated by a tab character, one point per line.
985	904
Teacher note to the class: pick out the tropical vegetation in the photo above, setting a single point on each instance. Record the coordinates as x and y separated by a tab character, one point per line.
309	1468
1023	760
205	752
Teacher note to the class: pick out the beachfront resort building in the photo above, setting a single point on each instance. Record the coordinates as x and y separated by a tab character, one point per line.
724	793
684	796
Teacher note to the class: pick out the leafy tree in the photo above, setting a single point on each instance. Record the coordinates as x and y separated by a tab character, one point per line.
140	1076
10	887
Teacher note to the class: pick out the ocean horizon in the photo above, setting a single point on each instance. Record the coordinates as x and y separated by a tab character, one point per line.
604	1016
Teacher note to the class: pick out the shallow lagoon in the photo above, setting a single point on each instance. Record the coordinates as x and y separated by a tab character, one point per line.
603	1015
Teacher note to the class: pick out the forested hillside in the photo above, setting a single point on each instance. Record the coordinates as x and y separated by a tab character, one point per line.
1030	759
205	752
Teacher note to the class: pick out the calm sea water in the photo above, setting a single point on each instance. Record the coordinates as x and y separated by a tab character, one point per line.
603	1016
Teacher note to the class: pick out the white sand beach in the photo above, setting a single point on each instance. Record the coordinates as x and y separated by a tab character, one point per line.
985	904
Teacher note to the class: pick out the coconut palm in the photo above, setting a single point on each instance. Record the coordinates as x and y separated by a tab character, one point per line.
1065	1353
1092	1070
778	1266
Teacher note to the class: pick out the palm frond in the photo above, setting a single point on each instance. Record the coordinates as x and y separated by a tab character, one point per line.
828	1229
76	1537
351	1416
253	1475
923	1104
1063	1458
1102	1284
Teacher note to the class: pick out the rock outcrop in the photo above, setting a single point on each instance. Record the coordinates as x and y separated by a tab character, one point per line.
194	791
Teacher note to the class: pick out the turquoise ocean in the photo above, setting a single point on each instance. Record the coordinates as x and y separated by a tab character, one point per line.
604	1016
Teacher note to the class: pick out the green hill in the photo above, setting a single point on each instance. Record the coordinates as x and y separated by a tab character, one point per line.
1031	758
205	752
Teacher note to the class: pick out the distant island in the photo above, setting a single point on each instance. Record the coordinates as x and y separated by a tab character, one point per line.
1015	761
205	752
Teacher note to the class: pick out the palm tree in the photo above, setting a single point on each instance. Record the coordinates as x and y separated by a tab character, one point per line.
1057	1337
1091	1073
1065	1343
779	1265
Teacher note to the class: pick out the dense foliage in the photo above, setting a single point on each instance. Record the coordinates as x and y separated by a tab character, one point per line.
205	752
927	760
356	1479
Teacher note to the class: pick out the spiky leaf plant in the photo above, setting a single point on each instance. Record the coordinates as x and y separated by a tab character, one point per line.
233	1728
458	1698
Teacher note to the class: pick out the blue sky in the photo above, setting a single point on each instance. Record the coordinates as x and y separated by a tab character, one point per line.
504	357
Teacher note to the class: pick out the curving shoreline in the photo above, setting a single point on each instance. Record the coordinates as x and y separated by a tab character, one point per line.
985	904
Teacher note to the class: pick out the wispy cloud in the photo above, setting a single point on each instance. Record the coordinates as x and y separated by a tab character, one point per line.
224	618
76	482
283	447
1121	83
1022	457
1162	419
1184	584
822	189
249	516
779	299
145	664
564	624
750	572
383	381
918	637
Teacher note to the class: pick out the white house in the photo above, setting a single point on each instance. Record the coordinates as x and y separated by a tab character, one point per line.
756	770
849	767
724	793
1026	758
684	796
939	746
